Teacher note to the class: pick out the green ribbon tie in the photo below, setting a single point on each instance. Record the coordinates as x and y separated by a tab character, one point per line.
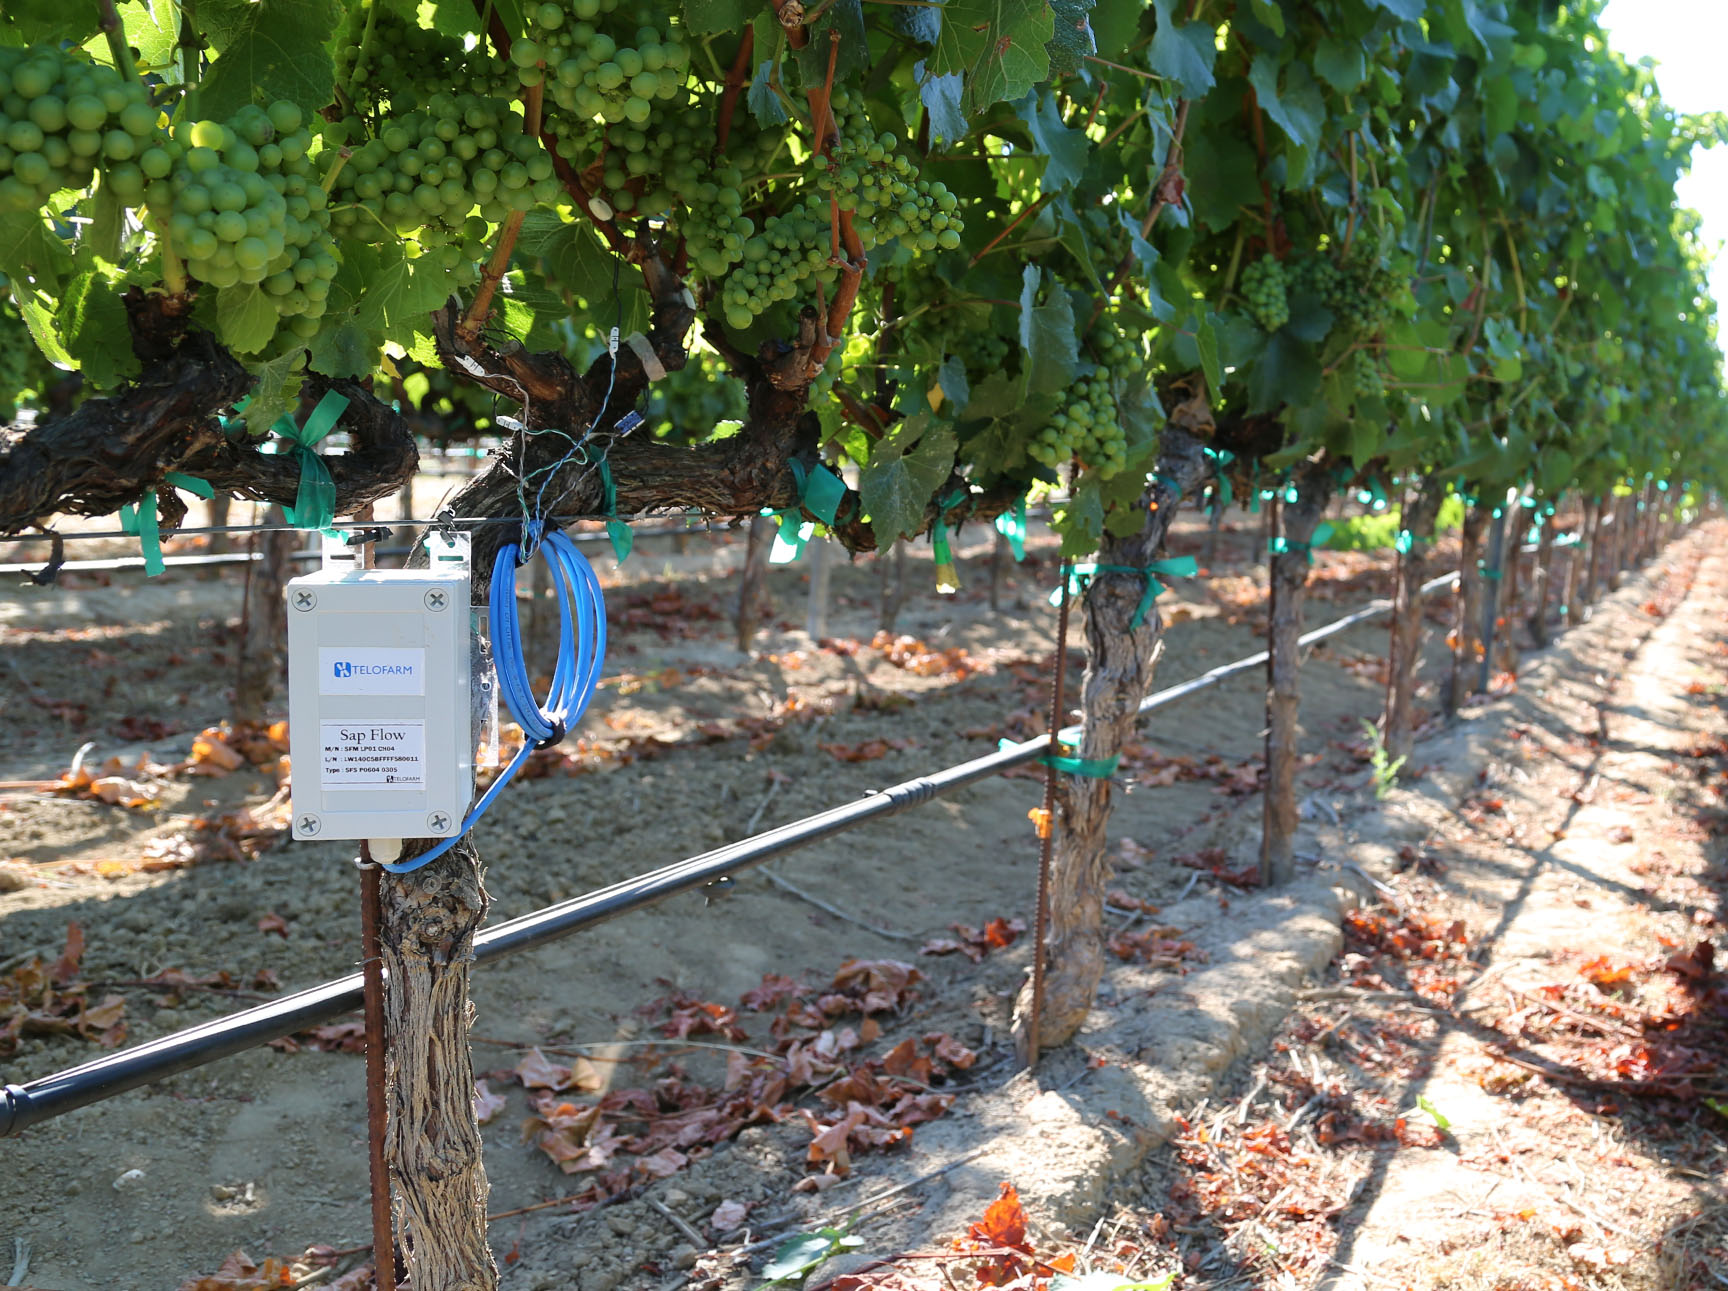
1407	542
192	484
622	536
1283	546
1095	768
1012	526
947	577
315	499
1492	575
820	492
140	519
1081	575
1220	458
1170	482
1374	495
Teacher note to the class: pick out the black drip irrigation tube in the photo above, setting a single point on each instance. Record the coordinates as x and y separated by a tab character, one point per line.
22	1106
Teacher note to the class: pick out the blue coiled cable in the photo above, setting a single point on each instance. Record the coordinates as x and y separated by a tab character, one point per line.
581	655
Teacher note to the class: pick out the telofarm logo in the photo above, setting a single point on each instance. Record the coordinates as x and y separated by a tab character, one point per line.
348	669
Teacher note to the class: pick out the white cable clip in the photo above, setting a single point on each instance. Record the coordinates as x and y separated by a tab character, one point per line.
612	343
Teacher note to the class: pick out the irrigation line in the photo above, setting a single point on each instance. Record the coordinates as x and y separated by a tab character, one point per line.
22	1106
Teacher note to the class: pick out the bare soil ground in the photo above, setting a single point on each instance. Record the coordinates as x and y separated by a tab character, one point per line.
692	746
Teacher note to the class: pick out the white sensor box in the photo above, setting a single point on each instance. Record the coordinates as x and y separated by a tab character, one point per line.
379	684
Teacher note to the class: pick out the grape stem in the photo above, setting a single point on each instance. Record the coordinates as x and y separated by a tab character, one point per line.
114	31
844	237
499	263
189	44
735	82
173	272
609	231
1355	197
1167	192
1017	221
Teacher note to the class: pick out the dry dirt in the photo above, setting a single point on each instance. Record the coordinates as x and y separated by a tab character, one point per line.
691	746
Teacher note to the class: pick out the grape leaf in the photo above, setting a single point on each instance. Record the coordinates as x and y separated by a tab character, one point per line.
905	469
1408	10
92	323
400	292
1299	110
1184	54
956	390
714	17
153	30
1047	336
277	391
764	104
1286	373
55	20
1206	342
1341	64
847	18
1074	39
1065	151
29	251
997	45
342	348
273	49
941	98
1081	521
245	318
1268	12
41	325
1116	23
919	22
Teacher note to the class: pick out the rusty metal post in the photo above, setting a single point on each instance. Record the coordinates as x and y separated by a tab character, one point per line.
1047	824
372	994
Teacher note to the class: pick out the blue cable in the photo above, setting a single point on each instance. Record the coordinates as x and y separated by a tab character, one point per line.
581	655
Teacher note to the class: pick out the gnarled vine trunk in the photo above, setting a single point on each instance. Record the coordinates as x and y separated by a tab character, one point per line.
1468	602
1541	580
1596	569
1120	657
1510	591
1493	574
1572	594
1290	569
264	641
751	578
1404	649
434	1148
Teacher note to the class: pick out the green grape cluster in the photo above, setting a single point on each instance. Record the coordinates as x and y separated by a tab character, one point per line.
791	249
578	49
61	116
1264	291
435	166
686	406
981	349
399	62
1366	377
1359	293
882	189
240	204
1086	428
715	227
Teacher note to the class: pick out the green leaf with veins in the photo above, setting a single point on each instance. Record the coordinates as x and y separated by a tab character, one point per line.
1298	109
1074	39
29	251
269	50
905	469
1065	150
245	318
997	45
91	320
716	17
1050	351
1182	53
277	390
